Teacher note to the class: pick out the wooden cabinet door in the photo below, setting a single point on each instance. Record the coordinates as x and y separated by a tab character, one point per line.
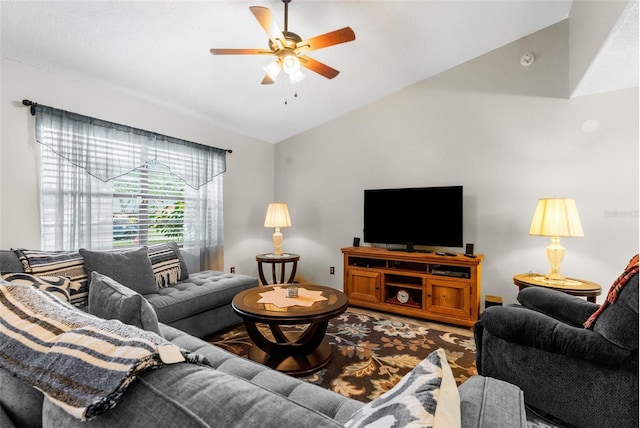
449	297
363	285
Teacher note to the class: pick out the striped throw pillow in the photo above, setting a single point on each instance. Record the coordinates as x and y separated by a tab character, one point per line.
165	264
68	264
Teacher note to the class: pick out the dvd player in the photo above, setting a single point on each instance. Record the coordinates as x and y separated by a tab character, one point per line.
450	273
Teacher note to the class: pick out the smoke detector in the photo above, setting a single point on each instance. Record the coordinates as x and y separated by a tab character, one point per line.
527	59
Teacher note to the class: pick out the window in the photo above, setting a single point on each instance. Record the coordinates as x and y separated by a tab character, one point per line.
148	207
105	185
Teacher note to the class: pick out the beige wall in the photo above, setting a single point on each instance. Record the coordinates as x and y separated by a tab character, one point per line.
508	134
248	182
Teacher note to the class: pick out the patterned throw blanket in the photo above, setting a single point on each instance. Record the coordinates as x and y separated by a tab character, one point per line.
617	286
81	362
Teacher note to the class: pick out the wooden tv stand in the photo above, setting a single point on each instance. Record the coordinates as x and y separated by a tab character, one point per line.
440	288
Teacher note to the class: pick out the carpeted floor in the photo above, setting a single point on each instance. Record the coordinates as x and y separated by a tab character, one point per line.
372	351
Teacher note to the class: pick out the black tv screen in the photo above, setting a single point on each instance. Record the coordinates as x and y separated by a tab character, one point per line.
430	216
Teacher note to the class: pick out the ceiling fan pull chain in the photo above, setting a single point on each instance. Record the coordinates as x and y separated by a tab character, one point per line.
295	95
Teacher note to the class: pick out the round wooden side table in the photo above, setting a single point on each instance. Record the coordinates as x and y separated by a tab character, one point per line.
280	260
572	286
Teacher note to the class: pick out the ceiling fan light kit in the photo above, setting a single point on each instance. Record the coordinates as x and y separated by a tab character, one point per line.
289	48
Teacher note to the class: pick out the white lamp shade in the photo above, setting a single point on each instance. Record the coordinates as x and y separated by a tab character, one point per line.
556	217
277	216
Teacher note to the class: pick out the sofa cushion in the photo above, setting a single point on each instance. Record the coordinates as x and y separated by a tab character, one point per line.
130	268
59	286
426	396
336	406
166	266
188	395
109	299
69	264
21	402
201	292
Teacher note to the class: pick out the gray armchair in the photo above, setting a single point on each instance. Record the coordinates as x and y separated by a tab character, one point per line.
583	377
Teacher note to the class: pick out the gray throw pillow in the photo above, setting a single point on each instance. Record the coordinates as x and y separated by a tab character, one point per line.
109	299
130	268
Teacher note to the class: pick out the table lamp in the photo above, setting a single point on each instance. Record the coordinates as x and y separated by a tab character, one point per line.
277	216
556	217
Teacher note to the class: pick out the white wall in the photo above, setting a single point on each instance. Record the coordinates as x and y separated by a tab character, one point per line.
248	182
507	134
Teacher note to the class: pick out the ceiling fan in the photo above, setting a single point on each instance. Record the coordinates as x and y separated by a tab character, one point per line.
289	48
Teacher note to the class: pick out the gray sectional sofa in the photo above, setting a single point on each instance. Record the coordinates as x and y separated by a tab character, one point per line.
213	388
235	392
199	304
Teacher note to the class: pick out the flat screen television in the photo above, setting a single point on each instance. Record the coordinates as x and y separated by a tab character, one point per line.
429	216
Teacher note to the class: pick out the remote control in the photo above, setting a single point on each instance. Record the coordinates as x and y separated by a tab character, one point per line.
440	253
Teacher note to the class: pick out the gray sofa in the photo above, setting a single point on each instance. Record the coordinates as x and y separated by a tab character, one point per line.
218	389
236	392
200	304
585	377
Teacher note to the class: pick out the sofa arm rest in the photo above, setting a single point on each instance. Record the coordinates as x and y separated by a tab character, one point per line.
561	306
489	402
530	328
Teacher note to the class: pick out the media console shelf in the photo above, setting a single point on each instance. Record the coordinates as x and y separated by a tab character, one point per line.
434	287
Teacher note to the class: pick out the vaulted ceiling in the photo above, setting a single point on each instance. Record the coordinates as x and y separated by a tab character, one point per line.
160	51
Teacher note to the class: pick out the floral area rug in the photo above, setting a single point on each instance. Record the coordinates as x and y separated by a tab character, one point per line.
372	353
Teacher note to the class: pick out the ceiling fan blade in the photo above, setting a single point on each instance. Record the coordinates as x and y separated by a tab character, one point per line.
267	80
318	67
240	52
264	17
331	38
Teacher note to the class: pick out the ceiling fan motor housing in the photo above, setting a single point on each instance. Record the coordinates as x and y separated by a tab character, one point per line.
290	41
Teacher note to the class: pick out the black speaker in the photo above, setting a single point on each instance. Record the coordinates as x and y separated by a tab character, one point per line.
410	247
469	249
356	242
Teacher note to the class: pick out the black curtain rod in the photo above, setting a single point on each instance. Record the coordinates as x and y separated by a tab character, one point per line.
33	105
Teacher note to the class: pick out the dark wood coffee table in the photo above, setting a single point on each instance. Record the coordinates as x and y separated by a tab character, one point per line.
294	352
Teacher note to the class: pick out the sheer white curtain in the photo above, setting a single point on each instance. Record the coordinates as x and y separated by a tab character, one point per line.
203	232
76	209
80	156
